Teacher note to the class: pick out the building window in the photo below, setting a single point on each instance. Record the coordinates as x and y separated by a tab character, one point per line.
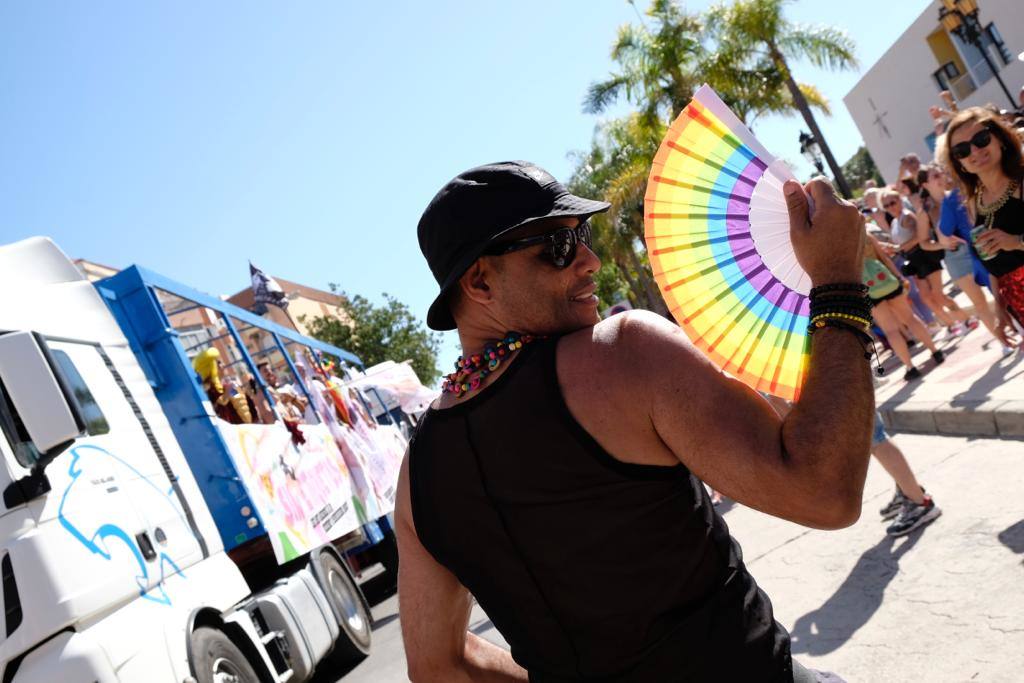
945	75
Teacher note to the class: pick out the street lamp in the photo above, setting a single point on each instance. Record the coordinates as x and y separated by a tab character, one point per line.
960	17
812	151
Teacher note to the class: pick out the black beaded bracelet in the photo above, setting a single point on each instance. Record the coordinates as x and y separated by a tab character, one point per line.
829	304
864	337
829	300
821	306
862	311
839	287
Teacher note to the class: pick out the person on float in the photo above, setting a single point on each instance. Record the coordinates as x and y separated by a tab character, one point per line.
228	404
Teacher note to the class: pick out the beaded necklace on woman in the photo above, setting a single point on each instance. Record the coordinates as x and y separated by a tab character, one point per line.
988	211
471	371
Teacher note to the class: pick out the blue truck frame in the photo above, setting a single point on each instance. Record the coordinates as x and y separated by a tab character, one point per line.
131	297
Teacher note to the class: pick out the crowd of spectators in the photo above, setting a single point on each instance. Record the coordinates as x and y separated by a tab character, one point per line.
958	218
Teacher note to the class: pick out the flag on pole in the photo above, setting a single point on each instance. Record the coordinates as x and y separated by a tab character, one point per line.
265	291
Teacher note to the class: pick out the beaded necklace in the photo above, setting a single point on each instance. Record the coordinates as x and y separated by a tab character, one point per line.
470	372
988	211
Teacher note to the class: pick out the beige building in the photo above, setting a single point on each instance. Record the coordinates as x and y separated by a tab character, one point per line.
94	271
890	102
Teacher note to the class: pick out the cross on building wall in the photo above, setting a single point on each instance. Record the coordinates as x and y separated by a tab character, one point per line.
878	118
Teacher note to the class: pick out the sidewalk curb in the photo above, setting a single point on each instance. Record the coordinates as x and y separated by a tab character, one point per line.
998	417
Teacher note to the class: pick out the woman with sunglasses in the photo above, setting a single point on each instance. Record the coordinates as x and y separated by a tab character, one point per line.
891	307
932	181
954	227
918	263
984	155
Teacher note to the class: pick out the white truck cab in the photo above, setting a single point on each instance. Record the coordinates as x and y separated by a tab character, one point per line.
112	565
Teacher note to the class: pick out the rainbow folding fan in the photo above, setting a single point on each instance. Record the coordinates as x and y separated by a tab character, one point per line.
717	233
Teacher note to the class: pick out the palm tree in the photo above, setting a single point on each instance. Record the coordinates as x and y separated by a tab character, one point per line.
657	70
661	68
758	28
616	168
755	90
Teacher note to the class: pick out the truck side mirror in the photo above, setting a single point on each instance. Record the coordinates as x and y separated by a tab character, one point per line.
40	395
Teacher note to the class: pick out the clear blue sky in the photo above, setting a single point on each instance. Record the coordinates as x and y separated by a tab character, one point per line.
189	137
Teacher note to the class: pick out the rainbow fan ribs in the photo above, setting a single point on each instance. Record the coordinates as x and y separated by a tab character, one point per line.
717	233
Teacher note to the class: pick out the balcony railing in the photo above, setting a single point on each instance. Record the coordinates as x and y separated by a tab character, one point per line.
962	86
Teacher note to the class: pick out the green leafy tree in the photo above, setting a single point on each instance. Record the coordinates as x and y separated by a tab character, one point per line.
611	285
860	168
379	333
660	64
758	29
743	51
616	169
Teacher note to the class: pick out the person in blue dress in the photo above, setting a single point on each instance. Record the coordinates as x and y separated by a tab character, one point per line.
956	225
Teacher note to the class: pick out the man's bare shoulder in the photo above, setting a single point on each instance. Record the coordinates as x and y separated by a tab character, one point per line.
614	376
628	340
624	352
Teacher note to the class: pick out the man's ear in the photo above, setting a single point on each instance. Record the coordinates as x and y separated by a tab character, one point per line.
475	282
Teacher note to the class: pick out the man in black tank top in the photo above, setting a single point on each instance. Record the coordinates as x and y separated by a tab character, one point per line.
558	478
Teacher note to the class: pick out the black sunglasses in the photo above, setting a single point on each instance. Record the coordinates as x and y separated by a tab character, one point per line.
981	140
561	243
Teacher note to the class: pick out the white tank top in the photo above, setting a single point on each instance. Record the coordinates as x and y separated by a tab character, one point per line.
901	234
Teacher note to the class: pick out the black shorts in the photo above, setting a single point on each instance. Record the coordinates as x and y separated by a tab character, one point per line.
921	263
891	295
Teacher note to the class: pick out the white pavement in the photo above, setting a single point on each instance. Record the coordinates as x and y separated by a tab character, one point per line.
945	603
976	392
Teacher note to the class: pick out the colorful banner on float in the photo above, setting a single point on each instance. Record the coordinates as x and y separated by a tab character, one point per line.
302	492
388	450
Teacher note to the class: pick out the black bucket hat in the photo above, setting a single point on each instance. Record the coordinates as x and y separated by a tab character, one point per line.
476	208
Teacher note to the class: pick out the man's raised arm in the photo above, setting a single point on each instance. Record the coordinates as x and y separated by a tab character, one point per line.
808	466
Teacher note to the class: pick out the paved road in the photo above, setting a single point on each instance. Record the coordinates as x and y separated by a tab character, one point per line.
943	604
977	391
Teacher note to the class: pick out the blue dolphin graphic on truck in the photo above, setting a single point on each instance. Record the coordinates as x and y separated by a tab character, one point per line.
97	539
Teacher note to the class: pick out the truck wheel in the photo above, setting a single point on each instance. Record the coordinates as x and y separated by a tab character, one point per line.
215	659
348	605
